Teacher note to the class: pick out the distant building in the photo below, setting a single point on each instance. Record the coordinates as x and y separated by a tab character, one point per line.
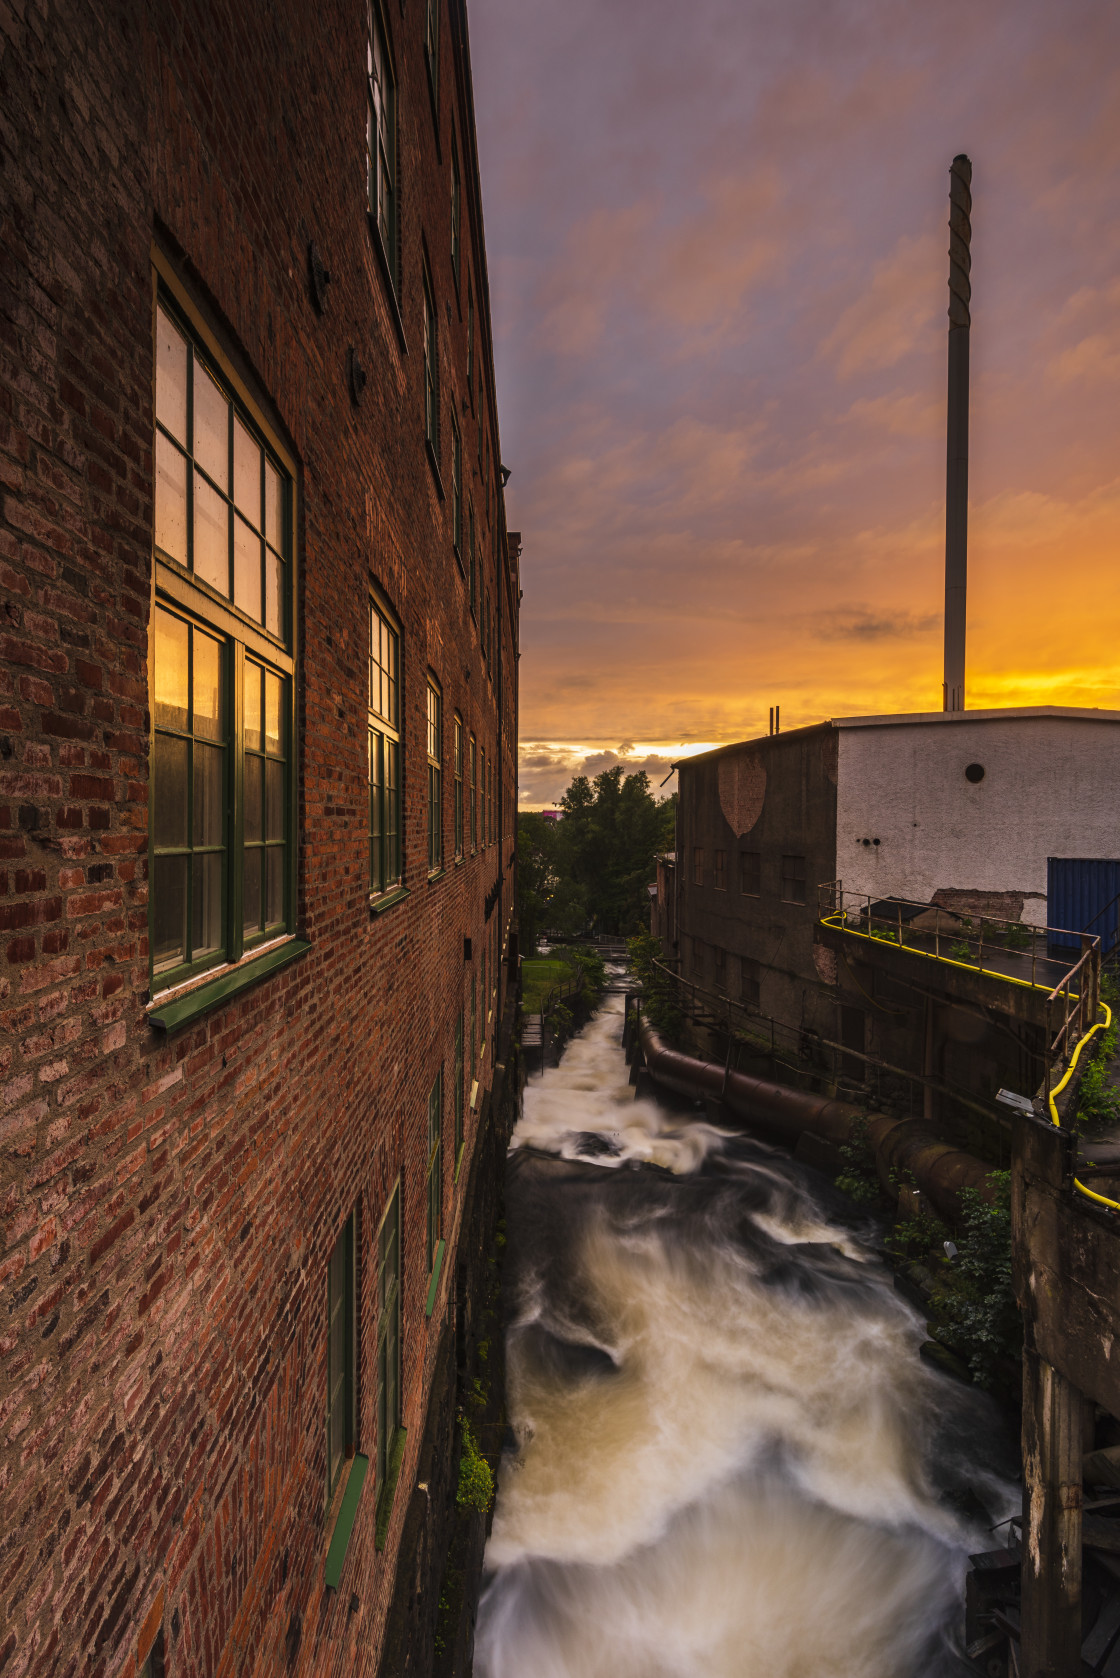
1004	816
552	815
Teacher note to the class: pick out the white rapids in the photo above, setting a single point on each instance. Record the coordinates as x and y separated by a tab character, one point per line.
730	1461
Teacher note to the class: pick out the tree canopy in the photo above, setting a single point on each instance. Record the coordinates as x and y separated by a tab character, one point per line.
588	872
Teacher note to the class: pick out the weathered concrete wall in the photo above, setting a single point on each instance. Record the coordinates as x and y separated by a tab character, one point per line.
1048	790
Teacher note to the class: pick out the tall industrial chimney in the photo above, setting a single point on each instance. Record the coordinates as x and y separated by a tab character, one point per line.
956	477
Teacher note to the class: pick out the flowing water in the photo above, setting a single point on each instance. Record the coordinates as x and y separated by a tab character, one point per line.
730	1461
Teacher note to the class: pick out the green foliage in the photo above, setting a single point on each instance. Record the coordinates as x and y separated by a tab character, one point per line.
589	871
1098	1100
917	1235
859	1179
961	949
976	1303
594	971
659	996
476	1482
542	974
1016	936
884	935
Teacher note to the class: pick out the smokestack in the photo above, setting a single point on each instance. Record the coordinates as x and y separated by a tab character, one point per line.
956	474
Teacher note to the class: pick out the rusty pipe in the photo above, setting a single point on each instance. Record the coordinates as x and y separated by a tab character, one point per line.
902	1146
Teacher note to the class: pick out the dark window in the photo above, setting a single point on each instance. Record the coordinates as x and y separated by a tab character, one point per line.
456	486
457	772
853	1027
341	1361
381	137
750	986
456	212
698	864
698	959
435	1171
474	793
470	340
458	1094
472	561
388	1335
431	371
720	962
435	778
793	879
384	752
720	879
431	44
750	873
222	851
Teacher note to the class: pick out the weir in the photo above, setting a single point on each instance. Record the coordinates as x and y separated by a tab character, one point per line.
729	1459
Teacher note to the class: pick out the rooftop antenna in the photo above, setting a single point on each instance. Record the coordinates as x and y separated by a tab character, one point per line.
956	473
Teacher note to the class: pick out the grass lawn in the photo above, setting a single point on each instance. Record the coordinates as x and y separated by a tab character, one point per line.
538	976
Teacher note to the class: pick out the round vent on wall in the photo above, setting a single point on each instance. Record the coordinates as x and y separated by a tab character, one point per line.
974	772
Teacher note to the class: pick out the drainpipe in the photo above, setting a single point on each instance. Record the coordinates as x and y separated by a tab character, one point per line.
782	1114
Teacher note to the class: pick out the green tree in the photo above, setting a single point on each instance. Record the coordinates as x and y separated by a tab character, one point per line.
611	831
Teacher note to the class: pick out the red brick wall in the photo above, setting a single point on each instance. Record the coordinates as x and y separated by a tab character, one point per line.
168	1203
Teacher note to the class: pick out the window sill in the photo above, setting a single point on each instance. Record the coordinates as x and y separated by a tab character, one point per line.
388	900
458	1161
434	464
387	277
389	1489
344	1524
171	1012
433	1285
436	874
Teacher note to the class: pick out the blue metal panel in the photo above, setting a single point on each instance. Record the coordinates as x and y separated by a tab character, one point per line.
1081	896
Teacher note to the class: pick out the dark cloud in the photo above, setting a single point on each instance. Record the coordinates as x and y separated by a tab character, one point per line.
869	626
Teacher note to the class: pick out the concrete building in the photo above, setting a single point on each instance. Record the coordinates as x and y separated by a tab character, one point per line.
976	813
257	721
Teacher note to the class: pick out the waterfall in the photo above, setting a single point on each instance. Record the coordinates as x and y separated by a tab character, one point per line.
730	1461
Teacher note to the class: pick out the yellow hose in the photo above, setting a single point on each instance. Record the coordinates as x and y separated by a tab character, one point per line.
1090	1194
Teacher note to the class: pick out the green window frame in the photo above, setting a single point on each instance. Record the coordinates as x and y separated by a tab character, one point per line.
472	560
456	487
794	876
474	1017
381	138
384	751
457	774
221	663
342	1361
457	1091
435	777
431	371
389	1409
434	1178
474	793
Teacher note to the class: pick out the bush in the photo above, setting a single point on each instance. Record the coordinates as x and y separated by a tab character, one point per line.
659	999
859	1179
476	1482
1098	1101
976	1303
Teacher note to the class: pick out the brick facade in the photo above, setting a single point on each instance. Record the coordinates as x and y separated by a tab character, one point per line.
169	1199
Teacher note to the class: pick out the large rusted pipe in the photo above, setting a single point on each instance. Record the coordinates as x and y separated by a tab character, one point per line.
903	1147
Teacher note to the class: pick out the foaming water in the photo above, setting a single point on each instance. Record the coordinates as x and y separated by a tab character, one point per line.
730	1460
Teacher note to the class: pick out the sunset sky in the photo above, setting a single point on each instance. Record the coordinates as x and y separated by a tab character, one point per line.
717	241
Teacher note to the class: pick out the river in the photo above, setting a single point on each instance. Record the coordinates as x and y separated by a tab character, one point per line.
730	1460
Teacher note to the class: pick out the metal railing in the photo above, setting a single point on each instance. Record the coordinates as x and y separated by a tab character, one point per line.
997	948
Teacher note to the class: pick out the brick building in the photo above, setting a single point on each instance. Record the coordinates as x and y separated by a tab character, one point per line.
258	703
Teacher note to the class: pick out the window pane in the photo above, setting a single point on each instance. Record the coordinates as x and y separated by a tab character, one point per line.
246	472
254	801
273	505
251	891
392	812
206	930
274	902
273	593
171	671
253	675
169	919
209	710
211	536
246	569
211	427
274	799
273	718
171	376
171	790
209	800
171	500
